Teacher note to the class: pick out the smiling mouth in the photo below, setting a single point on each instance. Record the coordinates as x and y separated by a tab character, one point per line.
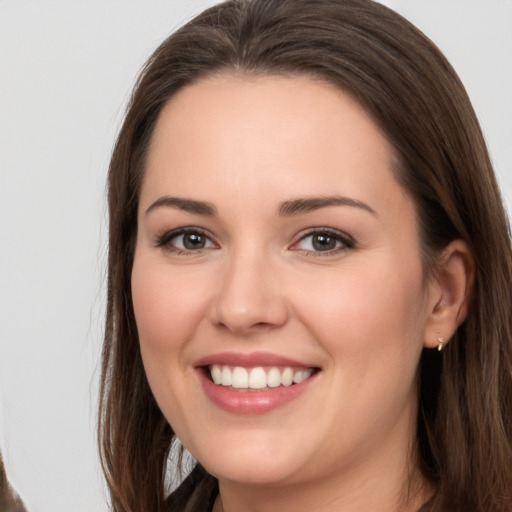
257	378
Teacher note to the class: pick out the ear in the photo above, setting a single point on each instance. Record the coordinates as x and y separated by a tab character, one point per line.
449	293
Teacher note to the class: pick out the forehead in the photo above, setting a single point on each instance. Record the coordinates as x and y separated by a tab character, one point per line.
259	135
254	106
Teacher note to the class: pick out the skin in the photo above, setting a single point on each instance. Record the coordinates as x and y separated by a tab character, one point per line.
361	313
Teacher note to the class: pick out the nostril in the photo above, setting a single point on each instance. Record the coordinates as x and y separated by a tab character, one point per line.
246	304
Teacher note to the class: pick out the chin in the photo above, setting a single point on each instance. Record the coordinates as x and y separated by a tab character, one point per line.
252	462
251	472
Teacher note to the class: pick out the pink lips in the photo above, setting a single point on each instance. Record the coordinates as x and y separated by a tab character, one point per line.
249	360
250	401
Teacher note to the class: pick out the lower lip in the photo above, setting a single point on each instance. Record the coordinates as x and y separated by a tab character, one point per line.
252	402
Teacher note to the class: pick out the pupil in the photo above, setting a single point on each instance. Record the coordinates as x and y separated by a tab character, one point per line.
322	242
193	241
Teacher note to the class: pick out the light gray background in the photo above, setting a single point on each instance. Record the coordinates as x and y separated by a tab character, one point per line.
66	70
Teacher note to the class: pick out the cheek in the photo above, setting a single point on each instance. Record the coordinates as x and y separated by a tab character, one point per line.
168	306
358	309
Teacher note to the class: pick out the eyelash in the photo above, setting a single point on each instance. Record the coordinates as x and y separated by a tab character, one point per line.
164	240
343	241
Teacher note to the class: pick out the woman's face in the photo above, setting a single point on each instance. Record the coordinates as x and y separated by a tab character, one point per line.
274	244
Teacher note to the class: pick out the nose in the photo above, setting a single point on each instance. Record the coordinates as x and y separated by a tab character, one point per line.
250	298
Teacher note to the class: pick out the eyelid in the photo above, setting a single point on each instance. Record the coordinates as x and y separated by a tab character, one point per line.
163	240
345	239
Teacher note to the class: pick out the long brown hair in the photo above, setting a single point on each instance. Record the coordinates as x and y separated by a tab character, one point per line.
9	500
464	434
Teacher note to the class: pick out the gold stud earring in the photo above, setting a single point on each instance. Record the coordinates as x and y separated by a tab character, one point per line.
440	346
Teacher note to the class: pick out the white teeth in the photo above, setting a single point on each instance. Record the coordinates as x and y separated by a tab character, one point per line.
216	374
274	378
240	377
257	378
301	376
226	376
287	377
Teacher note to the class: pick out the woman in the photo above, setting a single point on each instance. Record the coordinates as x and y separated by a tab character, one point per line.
309	273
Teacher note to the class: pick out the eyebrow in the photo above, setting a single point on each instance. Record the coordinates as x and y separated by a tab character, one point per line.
286	209
307	204
187	205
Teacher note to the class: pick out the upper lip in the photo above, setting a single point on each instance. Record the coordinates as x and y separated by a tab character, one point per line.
250	360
